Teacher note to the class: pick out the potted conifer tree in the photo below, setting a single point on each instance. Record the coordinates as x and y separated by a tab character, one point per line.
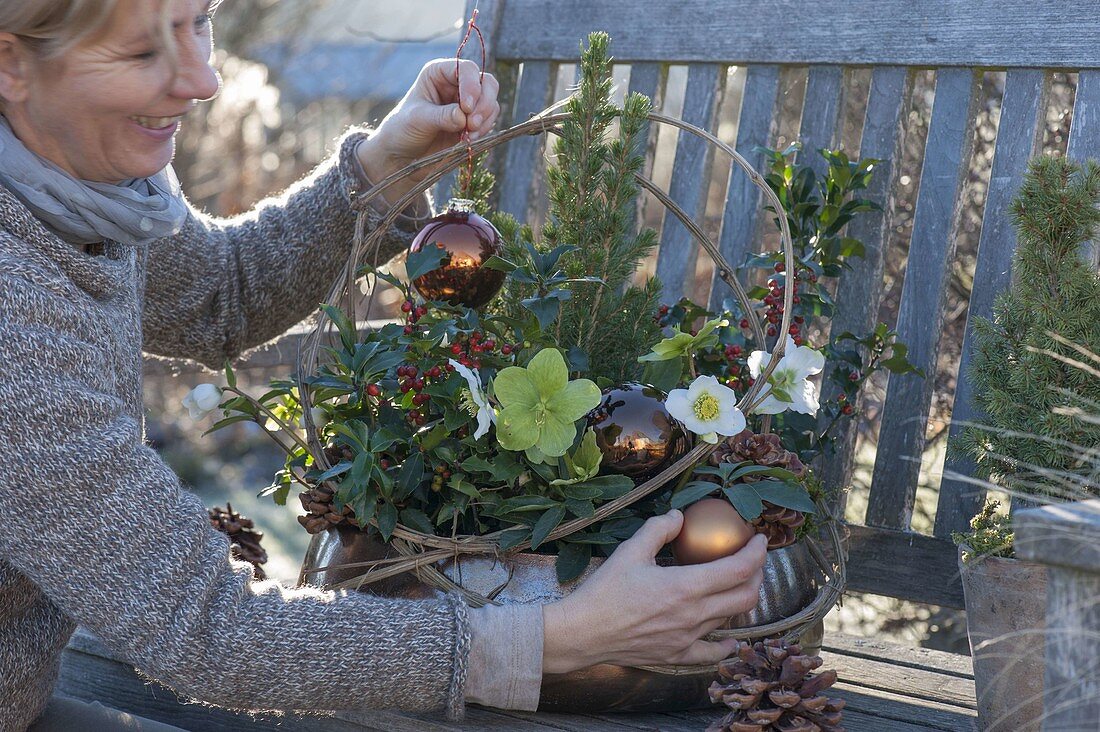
1039	431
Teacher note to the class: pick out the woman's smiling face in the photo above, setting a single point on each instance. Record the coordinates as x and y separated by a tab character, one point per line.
108	110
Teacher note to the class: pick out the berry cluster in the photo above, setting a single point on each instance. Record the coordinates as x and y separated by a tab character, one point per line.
774	302
469	350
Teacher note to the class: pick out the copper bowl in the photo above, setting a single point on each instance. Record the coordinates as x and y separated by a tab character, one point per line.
791	582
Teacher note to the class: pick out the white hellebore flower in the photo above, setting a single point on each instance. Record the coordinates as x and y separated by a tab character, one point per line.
707	408
202	400
479	403
789	386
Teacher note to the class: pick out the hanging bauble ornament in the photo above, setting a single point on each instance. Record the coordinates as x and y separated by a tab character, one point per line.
712	529
635	433
468	241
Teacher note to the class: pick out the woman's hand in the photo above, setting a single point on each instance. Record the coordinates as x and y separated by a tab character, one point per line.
431	117
633	612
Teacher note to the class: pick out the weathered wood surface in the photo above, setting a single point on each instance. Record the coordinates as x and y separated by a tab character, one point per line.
905	413
756	127
858	32
903	564
523	156
1019	137
1066	538
820	110
678	250
1084	134
886	687
860	289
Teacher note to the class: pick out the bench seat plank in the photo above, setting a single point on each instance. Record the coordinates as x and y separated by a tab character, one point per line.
887	687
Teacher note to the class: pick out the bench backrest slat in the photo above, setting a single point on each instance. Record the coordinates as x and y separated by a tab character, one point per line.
523	156
1019	136
860	288
677	254
920	316
1084	133
648	79
756	127
1009	33
820	112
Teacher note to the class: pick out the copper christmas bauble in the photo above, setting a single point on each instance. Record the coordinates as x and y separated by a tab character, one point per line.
467	241
712	529
637	435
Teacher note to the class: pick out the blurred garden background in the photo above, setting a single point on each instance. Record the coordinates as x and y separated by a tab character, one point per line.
298	73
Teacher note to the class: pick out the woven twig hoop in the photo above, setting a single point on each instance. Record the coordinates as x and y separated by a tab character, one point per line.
420	552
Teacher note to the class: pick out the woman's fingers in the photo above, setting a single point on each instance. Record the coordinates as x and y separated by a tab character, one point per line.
707	652
727	572
648	540
741	598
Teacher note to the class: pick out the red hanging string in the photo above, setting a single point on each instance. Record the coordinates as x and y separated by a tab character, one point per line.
471	28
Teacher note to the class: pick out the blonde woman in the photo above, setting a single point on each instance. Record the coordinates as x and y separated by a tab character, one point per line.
101	258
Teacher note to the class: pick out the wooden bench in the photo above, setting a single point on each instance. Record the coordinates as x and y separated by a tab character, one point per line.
888	687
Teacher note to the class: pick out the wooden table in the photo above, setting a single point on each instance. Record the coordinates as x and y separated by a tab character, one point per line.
888	687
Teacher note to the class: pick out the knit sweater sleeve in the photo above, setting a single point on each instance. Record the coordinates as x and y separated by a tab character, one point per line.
104	528
222	286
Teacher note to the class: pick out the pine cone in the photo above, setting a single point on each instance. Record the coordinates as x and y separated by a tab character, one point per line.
245	540
322	510
318	501
775	522
769	687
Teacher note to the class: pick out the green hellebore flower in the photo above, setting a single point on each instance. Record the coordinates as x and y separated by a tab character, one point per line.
683	344
539	404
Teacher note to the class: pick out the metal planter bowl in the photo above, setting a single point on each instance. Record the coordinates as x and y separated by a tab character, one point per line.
791	581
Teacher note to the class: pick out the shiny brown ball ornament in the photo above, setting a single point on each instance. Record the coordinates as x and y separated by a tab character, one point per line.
712	529
467	240
635	433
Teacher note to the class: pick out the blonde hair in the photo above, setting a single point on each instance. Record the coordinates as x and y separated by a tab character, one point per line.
52	27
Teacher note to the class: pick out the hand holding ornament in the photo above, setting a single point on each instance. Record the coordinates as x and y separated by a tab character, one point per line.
633	612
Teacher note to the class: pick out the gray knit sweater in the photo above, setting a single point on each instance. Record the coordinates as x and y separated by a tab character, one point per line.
96	530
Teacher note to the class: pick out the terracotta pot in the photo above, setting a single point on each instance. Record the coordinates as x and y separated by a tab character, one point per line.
1006	602
791	580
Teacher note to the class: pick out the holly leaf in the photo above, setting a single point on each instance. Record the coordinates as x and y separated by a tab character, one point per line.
424	260
387	520
414	518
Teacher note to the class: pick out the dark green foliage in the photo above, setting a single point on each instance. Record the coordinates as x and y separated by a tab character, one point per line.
592	199
1039	431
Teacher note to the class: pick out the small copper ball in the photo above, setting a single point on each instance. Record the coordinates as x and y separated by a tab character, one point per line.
635	432
712	529
467	241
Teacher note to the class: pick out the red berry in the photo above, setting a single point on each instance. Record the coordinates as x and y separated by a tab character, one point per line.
421	311
456	349
798	341
847	409
490	344
750	381
475	336
420	419
506	349
771	330
813	277
736	350
418	384
476	363
477	347
434	372
446	474
744	323
769	300
405	387
777	292
409	330
420	399
374	390
793	330
384	463
799	319
407	306
796	299
773	317
449	367
779	266
841	397
854	376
